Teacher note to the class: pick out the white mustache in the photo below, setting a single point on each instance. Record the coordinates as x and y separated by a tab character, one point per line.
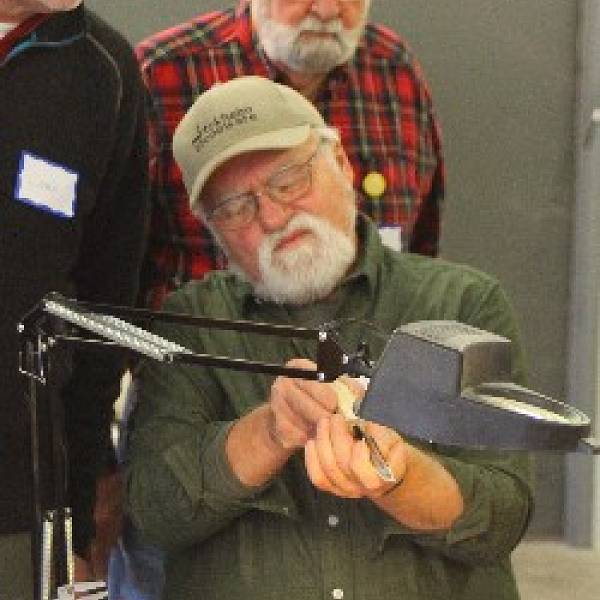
295	225
314	25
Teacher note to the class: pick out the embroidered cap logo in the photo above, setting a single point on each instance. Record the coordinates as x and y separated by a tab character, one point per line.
221	123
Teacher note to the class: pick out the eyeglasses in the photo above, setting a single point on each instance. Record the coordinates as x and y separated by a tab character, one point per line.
284	187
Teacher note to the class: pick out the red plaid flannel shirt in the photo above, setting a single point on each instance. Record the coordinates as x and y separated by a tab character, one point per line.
379	102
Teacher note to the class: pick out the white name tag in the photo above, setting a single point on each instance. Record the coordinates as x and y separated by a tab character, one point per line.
391	237
46	185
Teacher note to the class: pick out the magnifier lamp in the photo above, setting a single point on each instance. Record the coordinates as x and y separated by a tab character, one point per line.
438	381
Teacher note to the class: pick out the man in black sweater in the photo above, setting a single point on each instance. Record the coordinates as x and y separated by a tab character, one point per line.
73	213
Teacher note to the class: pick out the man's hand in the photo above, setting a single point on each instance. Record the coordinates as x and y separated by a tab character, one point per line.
340	464
425	496
297	405
274	430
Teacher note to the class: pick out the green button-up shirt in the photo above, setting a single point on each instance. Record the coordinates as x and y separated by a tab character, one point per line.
288	541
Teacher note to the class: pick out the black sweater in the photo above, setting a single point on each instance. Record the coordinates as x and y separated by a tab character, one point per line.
70	101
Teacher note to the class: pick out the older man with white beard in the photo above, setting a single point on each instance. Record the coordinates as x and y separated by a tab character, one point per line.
256	488
360	76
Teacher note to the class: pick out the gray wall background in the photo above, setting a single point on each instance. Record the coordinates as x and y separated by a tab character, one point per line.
503	79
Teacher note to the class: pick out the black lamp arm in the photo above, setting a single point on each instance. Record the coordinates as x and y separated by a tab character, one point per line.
103	320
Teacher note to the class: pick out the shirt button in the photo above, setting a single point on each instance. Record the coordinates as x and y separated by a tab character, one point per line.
333	520
337	594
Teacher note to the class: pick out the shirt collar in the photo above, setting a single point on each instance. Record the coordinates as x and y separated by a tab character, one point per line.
20	32
48	30
370	252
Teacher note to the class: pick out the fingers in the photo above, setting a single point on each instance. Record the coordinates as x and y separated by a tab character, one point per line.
326	460
363	470
393	449
290	430
339	464
342	442
357	388
298	405
315	471
319	392
301	407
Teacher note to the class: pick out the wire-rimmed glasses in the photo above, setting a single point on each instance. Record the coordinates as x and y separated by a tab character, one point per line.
284	187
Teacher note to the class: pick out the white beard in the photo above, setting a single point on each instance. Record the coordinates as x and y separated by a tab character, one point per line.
310	270
284	44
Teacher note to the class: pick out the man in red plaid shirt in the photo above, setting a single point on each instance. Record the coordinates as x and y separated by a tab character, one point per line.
362	78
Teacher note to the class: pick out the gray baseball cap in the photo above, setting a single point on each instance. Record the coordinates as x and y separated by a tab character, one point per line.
241	115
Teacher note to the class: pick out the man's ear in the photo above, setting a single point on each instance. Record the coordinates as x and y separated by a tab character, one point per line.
343	161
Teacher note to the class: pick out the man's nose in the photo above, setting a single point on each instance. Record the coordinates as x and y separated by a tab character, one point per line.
326	9
272	215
